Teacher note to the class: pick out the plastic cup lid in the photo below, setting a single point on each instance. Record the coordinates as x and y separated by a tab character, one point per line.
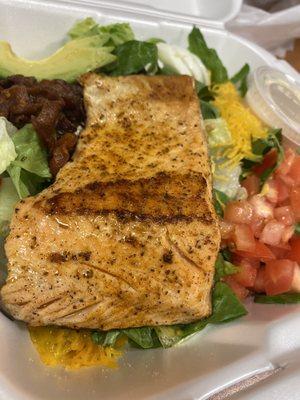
275	98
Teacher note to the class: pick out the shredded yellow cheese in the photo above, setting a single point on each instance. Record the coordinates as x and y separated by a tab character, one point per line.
71	349
242	123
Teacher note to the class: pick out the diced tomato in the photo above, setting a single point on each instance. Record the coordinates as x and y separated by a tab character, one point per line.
247	273
238	212
269	161
251	184
284	215
294	253
283	190
272	193
288	181
294	171
261	252
279	251
287	234
257	225
237	260
279	276
244	238
272	233
295	202
227	229
238	289
259	284
296	280
289	157
262	208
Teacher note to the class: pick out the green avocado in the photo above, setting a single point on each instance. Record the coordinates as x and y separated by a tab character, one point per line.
68	63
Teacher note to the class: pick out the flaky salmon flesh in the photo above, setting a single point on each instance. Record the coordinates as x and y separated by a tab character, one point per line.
127	235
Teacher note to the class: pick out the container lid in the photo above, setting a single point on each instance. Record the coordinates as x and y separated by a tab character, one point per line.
275	97
214	10
214	13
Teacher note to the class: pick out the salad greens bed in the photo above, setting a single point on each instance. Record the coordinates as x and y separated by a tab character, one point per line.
25	171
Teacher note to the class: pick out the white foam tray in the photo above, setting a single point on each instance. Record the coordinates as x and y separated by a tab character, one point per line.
212	359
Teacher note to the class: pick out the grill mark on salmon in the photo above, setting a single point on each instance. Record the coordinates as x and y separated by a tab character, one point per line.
162	199
127	235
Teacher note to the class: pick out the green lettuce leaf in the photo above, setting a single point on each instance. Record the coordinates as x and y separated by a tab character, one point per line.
144	337
259	148
226	307
155	40
286	298
209	57
224	268
106	339
204	91
7	147
220	201
132	58
240	79
8	199
297	228
113	34
30	169
208	110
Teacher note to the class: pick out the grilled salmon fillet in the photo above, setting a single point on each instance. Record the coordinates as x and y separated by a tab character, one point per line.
127	235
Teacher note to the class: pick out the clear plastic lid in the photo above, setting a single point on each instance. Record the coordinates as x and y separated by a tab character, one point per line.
275	98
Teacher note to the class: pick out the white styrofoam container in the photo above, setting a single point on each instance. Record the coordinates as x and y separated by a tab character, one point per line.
212	359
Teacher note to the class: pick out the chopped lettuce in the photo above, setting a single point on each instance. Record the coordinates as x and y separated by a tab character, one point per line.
30	168
209	57
134	57
226	176
7	147
218	134
113	34
8	199
182	62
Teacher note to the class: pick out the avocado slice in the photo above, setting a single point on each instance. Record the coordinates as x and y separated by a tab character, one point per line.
68	63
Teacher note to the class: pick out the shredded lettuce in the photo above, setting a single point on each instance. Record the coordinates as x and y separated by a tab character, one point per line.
218	134
30	168
7	147
226	176
113	34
